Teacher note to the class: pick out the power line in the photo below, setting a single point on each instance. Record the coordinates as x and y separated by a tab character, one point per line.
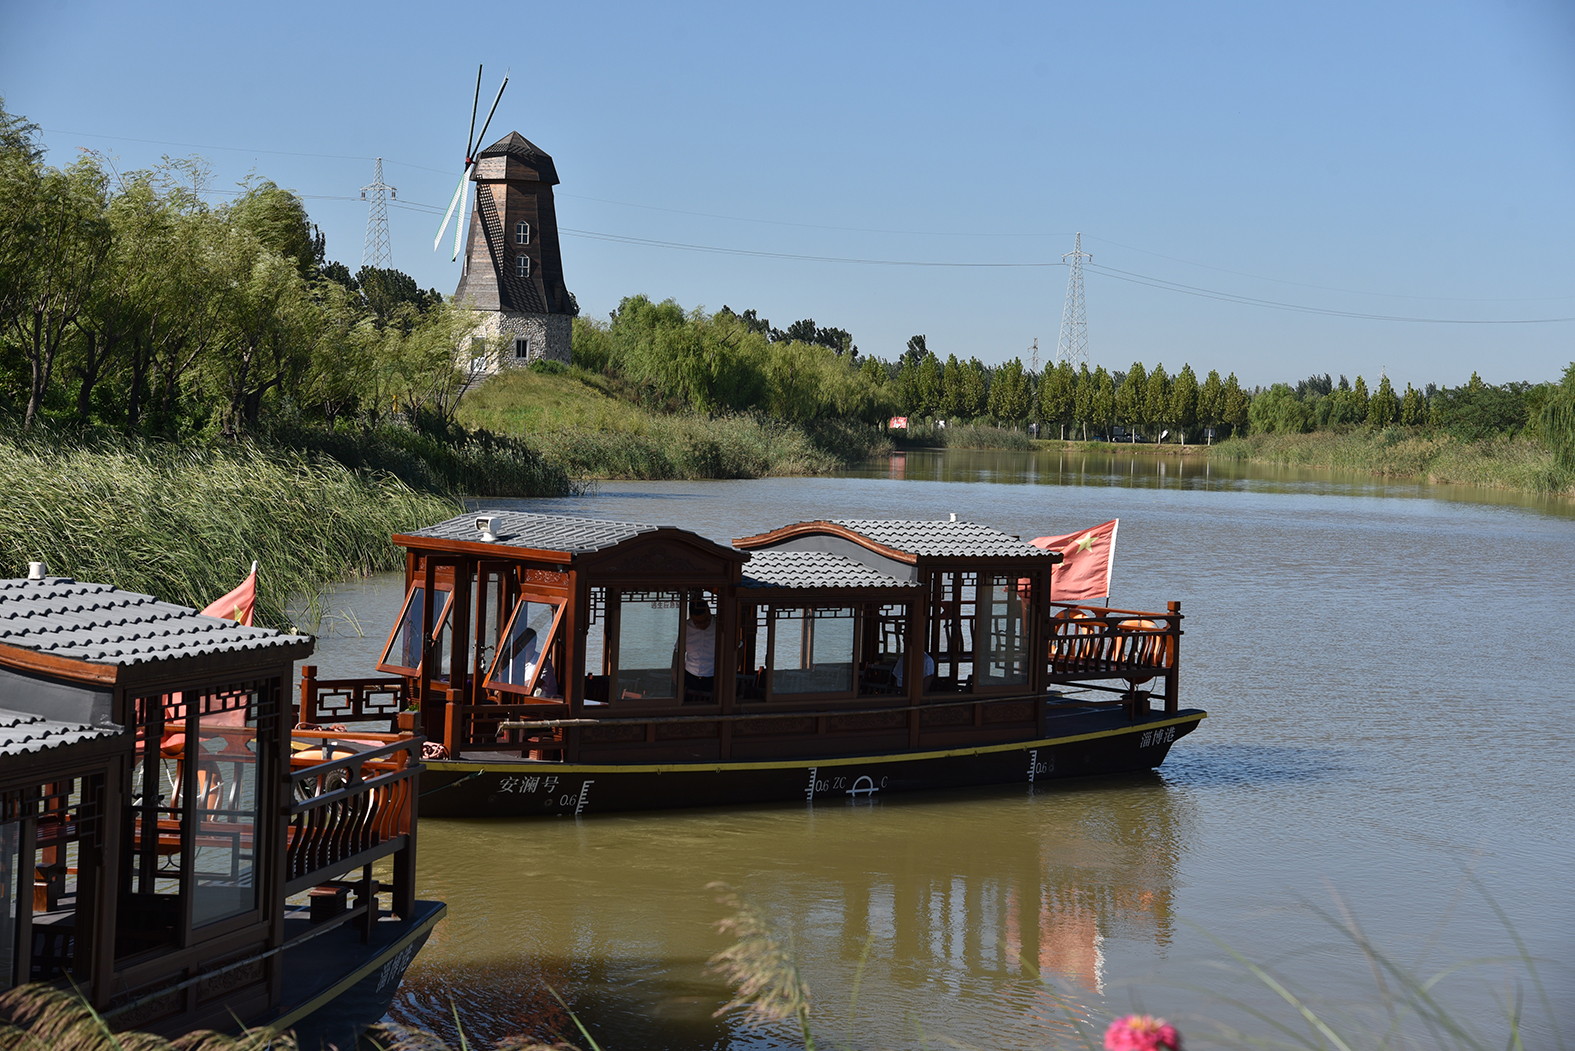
1231	297
653	243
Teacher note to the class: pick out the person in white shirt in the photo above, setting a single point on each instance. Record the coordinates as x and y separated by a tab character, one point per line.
524	665
699	653
929	671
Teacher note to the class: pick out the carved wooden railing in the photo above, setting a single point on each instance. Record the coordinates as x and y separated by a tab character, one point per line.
349	700
1099	642
352	801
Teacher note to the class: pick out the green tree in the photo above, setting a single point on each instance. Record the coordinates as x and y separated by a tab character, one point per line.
1156	400
1058	395
1234	404
1009	393
976	402
954	393
1556	423
51	253
1184	401
1209	396
1413	409
1104	399
929	390
1359	399
1129	397
1083	401
1383	408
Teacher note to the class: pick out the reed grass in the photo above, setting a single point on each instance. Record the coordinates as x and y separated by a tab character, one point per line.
966	436
185	522
473	463
42	1018
1500	463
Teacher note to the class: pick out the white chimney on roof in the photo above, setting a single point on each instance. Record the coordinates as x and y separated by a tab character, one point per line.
954	516
36	570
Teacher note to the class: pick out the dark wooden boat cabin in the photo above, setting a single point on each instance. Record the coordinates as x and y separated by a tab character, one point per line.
569	664
168	849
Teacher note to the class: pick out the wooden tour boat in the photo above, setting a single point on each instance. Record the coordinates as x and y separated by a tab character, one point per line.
558	666
168	850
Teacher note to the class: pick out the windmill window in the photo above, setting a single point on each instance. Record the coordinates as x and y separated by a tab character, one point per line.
522	348
522	233
522	265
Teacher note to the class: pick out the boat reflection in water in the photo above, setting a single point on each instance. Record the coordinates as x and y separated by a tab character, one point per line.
991	917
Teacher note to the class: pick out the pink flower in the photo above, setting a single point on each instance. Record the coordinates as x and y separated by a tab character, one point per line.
1142	1033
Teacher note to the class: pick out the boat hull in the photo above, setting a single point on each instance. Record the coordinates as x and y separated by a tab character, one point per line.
524	788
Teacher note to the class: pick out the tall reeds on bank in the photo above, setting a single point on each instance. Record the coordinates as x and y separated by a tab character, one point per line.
1500	463
185	522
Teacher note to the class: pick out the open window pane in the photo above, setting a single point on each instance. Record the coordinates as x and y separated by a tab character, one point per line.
525	662
403	653
1006	633
812	651
649	623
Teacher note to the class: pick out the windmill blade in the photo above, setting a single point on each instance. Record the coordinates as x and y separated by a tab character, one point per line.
471	134
459	228
458	192
483	136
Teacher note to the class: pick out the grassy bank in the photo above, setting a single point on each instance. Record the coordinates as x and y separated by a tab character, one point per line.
1440	458
588	426
185	522
964	436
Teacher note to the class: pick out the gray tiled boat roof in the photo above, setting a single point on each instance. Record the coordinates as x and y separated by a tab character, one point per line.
22	733
100	624
541	532
777	568
941	539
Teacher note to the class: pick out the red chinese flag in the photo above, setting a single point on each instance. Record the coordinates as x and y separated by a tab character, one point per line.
1086	559
238	604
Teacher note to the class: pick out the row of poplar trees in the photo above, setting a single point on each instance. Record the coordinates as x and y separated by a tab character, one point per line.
1080	400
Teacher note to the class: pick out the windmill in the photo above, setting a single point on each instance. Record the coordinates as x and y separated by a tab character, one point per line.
472	140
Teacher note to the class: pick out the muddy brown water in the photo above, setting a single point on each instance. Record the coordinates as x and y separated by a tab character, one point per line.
1389	670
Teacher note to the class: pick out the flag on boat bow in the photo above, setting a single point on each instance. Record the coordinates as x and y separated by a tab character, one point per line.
1086	560
238	604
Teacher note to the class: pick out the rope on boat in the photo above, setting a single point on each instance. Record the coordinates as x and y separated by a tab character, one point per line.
451	784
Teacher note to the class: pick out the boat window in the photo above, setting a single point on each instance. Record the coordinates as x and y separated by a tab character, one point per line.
1005	632
812	650
224	761
645	645
882	672
949	639
521	666
403	653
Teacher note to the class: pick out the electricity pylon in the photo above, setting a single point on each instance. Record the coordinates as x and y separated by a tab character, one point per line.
1073	348
376	251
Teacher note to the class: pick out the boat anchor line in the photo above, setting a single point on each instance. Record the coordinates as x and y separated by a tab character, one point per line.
585	797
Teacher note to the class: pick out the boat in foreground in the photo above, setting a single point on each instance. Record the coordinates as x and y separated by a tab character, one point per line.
169	849
564	665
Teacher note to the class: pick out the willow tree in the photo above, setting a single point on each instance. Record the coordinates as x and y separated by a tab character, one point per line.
1557	421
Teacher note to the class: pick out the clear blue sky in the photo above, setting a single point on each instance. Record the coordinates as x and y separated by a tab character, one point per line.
1412	159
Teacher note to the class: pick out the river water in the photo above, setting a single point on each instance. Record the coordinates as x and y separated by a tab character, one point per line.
1389	674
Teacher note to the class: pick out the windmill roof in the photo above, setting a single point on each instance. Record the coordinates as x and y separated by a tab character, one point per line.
528	153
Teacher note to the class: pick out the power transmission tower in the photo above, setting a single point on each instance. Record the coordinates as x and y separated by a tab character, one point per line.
375	251
1073	348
